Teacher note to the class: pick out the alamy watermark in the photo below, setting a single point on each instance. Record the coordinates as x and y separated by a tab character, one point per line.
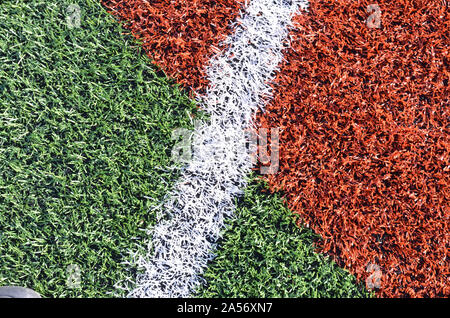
73	280
73	16
253	144
373	281
374	20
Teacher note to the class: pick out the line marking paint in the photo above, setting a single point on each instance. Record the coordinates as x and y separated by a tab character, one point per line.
192	217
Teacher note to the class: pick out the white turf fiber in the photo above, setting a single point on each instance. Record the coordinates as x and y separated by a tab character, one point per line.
192	218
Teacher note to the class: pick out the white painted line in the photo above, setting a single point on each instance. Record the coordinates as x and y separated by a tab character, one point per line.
183	241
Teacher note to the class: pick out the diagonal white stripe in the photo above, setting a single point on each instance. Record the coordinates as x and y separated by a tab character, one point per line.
240	77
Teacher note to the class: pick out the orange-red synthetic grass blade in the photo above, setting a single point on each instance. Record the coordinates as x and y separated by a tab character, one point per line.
365	142
178	35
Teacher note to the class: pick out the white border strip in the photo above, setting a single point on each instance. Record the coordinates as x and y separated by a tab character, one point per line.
183	242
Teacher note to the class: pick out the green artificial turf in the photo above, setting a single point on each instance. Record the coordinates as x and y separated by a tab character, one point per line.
264	254
85	142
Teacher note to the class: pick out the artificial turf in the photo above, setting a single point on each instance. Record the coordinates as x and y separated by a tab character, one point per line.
85	147
85	142
264	253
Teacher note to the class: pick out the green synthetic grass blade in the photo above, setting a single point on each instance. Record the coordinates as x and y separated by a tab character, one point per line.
85	140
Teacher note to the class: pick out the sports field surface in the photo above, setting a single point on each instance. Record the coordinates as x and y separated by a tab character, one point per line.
85	136
94	94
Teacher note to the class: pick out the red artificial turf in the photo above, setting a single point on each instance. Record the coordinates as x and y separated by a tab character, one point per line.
179	35
365	139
